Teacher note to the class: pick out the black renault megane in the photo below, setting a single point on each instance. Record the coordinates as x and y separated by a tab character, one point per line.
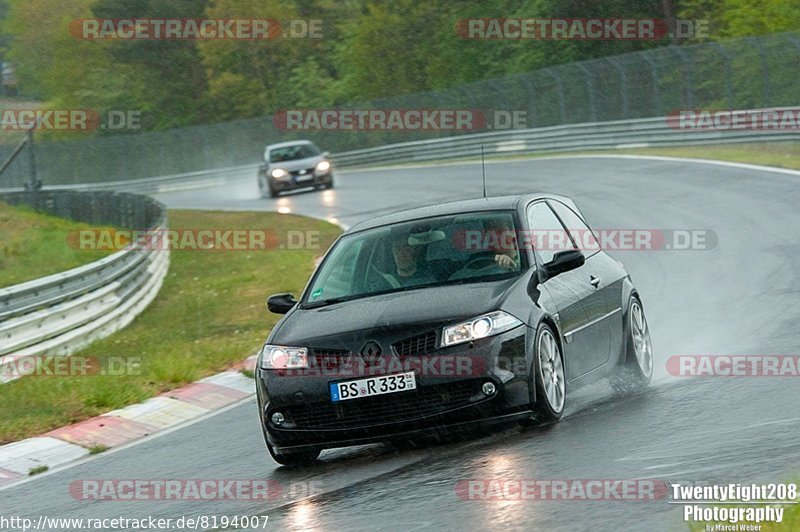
443	317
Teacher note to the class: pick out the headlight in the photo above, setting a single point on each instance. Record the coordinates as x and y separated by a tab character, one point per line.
480	327
323	166
283	357
278	173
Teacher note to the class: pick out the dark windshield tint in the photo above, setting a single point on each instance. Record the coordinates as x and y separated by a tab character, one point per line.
471	247
293	153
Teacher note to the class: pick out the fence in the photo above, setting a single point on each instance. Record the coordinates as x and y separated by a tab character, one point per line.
57	314
737	74
618	134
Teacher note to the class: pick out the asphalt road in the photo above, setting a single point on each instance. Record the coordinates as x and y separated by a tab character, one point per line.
737	298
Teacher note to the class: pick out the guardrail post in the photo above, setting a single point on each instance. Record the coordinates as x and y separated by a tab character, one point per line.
656	87
765	87
624	93
726	60
590	85
531	100
560	82
34	183
687	75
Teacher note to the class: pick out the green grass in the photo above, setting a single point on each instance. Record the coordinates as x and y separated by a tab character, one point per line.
779	154
33	245
97	449
38	469
209	314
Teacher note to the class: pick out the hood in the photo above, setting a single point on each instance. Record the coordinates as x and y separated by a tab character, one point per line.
390	317
299	164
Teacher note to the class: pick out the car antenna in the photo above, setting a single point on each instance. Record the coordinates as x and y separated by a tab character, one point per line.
483	170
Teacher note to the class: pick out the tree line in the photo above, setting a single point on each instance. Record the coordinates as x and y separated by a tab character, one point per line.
367	50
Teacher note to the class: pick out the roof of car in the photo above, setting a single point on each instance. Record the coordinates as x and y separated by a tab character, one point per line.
494	203
288	143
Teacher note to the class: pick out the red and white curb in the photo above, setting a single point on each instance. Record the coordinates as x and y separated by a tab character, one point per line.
120	427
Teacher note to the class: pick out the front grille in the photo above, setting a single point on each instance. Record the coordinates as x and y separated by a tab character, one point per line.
403	406
416	345
296	173
330	359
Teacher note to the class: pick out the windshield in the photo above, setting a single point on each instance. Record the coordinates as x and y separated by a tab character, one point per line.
293	153
472	247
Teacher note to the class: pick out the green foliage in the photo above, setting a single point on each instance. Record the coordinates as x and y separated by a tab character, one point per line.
370	49
744	18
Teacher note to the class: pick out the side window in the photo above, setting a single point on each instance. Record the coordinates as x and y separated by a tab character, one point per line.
580	232
548	236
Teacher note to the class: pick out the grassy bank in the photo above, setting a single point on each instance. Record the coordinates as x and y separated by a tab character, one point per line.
780	154
209	314
33	245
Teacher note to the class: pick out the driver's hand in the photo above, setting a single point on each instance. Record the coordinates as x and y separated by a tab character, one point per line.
504	261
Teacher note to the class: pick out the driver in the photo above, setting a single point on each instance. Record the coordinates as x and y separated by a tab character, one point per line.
506	257
410	269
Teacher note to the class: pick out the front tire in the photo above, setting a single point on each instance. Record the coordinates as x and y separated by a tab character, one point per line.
262	189
636	370
548	377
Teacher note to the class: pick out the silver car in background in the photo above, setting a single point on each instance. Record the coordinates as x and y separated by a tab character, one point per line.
293	165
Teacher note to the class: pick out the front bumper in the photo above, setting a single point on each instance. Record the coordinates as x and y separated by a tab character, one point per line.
296	182
442	403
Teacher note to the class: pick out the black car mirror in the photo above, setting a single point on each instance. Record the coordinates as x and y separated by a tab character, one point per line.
281	303
564	261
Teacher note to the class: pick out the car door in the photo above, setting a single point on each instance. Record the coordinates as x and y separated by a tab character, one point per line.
572	293
605	277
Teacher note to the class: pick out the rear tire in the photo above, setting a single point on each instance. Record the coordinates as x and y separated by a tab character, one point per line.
636	371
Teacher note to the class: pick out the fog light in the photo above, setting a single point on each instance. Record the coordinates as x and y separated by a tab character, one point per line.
277	418
488	388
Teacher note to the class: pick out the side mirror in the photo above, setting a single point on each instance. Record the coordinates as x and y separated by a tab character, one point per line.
281	303
326	154
564	261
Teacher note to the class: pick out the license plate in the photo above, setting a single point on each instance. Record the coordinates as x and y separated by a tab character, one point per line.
399	382
307	177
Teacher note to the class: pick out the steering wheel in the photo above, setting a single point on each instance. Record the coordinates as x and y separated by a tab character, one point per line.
485	262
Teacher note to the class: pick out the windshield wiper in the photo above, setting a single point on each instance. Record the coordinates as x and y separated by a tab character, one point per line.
330	301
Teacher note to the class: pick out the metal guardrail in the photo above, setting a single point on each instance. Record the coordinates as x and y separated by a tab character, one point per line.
617	134
60	313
